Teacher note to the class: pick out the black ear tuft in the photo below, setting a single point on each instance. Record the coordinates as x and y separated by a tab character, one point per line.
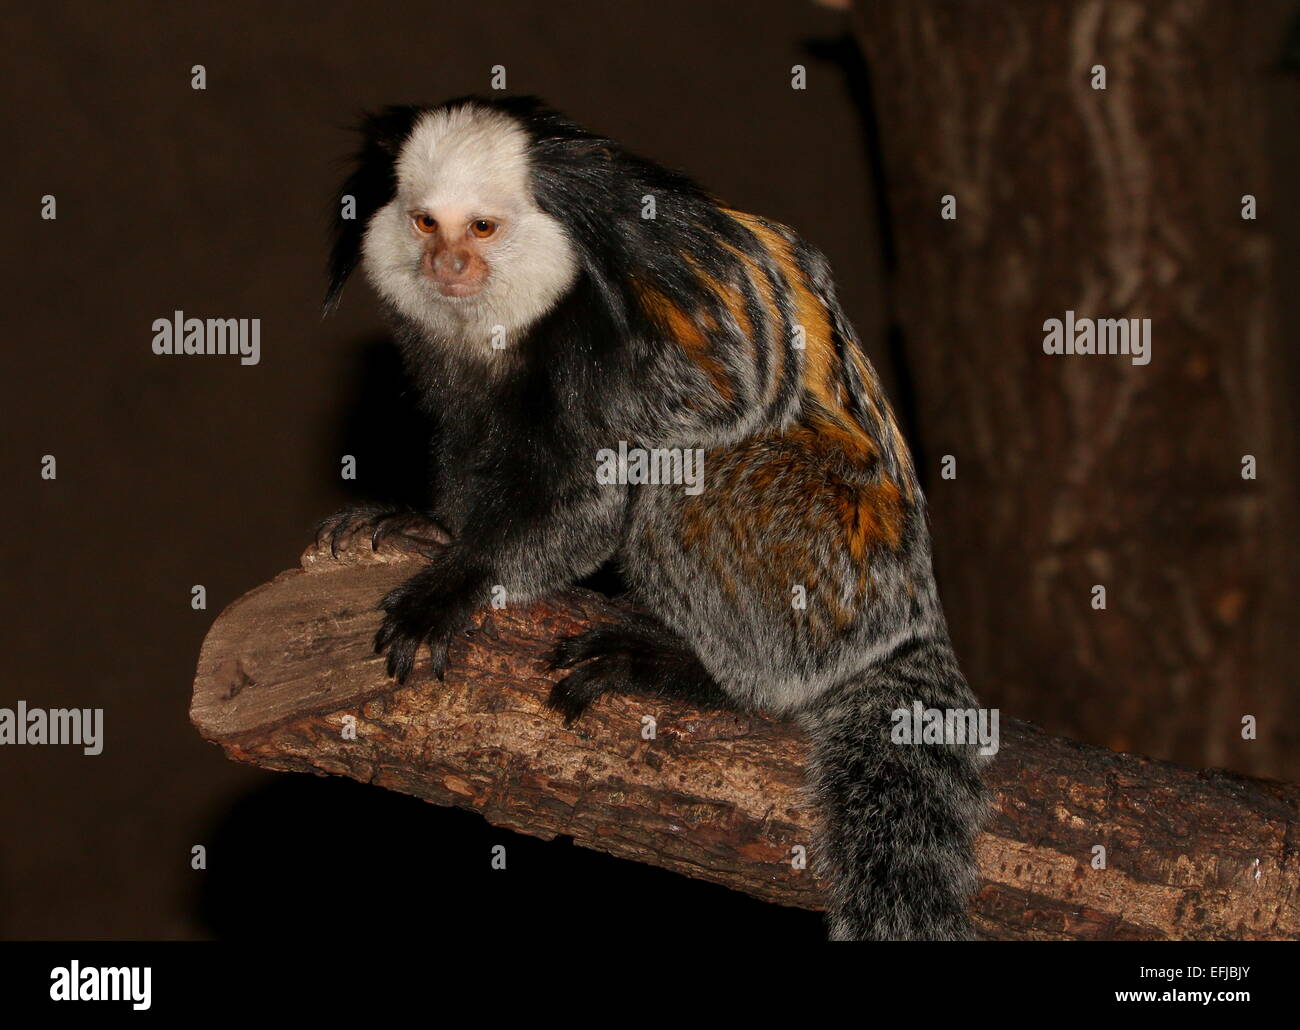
370	186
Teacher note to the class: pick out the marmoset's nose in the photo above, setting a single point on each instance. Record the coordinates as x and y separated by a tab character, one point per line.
447	263
453	262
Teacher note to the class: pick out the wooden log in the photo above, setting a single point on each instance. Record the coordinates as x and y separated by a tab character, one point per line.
287	680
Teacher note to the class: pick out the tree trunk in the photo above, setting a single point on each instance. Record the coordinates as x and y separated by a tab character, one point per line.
1081	471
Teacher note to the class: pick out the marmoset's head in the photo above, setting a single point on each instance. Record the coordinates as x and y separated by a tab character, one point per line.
447	223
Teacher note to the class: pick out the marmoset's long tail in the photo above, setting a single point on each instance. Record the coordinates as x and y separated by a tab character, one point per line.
899	819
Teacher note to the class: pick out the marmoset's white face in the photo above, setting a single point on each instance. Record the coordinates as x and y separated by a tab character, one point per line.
462	248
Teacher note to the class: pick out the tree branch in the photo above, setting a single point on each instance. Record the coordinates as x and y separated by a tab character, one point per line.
287	680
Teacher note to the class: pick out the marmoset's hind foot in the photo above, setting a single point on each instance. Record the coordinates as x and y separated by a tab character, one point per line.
377	526
637	655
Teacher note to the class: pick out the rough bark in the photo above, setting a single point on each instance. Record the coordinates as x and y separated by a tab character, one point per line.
287	680
1077	471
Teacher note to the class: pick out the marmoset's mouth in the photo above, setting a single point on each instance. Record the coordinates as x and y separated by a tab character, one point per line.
456	290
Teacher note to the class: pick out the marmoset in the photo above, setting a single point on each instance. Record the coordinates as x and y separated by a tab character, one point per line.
556	297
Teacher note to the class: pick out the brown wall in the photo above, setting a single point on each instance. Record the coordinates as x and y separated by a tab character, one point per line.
173	472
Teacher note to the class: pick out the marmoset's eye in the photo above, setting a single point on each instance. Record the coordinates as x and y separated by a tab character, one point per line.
425	223
483	228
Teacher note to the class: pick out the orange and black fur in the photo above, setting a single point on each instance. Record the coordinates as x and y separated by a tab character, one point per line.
797	581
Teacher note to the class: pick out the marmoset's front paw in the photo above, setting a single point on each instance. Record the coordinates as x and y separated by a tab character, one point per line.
425	610
375	526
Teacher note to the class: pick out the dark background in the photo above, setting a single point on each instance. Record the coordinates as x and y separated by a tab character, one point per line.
174	472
